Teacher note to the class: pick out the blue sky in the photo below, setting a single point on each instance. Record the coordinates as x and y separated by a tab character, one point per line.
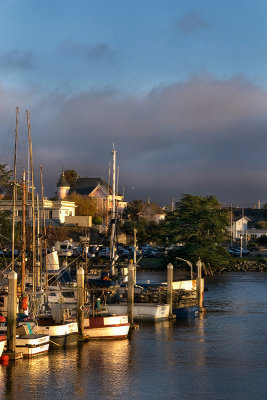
176	84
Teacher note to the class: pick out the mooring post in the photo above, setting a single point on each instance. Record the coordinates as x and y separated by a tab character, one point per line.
80	302
134	257
169	286
199	283
12	311
130	304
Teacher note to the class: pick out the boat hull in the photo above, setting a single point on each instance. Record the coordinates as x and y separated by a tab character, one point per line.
183	313
107	327
61	334
143	311
2	344
32	345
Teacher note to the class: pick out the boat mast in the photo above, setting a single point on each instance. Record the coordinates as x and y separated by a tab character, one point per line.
107	204
14	188
39	248
23	250
33	208
44	227
113	217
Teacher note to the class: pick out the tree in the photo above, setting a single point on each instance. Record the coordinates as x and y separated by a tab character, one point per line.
85	205
201	224
97	220
5	226
134	209
71	176
201	220
5	174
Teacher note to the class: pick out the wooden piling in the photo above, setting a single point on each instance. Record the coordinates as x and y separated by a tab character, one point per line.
12	311
169	286
11	316
130	304
199	284
80	302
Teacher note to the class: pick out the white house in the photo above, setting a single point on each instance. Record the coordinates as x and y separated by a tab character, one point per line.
239	227
55	211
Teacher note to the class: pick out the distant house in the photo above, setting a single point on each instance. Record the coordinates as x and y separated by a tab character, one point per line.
55	211
95	188
239	227
246	225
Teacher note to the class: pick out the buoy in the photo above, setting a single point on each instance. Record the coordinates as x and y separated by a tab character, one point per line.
4	357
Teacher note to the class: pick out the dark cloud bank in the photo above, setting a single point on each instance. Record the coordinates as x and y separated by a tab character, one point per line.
203	136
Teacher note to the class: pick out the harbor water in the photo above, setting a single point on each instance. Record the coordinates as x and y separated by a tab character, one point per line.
220	355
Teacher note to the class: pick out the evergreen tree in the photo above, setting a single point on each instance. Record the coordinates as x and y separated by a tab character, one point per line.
200	223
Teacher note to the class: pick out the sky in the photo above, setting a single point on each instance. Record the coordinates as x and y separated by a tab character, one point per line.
179	86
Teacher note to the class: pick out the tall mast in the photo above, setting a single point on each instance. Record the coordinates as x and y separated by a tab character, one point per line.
33	208
44	225
39	257
14	188
112	239
107	205
23	234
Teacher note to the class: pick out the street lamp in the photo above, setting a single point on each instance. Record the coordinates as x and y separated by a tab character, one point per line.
188	263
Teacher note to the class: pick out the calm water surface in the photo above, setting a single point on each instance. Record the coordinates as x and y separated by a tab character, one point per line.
221	355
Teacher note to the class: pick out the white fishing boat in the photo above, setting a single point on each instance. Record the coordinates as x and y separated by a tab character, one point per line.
32	345
143	311
61	334
106	327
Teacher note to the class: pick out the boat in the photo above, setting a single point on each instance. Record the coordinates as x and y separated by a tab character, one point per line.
143	311
185	304
2	344
61	334
106	327
32	345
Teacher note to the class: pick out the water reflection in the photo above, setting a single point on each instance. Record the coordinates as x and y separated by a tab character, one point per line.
220	355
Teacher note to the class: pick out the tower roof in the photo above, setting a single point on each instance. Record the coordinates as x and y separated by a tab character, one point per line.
63	181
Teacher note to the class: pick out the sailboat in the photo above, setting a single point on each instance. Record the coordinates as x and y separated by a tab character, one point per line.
106	325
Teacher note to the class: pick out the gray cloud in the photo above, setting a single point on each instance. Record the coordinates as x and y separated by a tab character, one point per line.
192	22
90	52
203	136
17	60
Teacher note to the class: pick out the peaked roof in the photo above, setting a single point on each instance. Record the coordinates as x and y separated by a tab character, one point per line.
63	181
85	186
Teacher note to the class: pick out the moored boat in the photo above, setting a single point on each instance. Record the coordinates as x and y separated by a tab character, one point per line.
143	311
2	344
106	327
61	334
32	345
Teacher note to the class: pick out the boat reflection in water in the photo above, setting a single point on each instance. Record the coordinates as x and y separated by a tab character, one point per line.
72	373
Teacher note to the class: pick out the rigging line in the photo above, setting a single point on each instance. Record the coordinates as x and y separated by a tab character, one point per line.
2	272
67	266
2	249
